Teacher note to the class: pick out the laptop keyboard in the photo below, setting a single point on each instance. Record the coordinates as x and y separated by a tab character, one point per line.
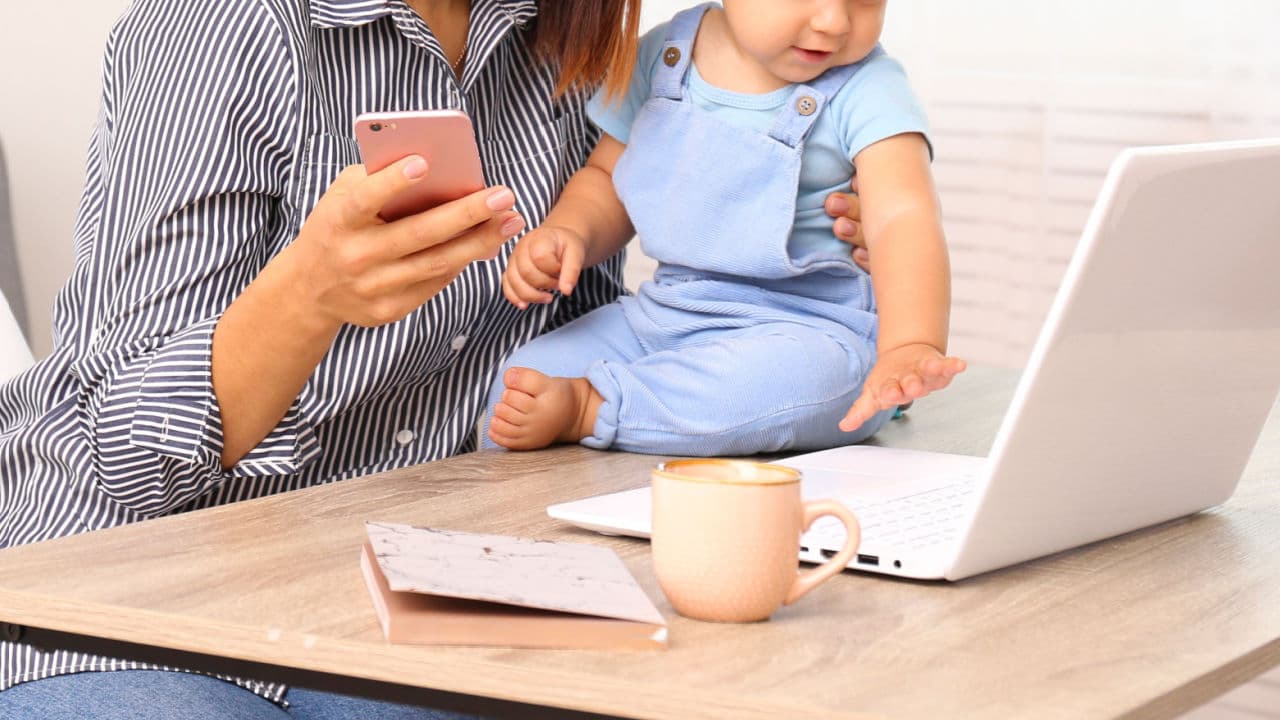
913	521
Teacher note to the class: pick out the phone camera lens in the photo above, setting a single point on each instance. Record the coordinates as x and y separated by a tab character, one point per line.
375	127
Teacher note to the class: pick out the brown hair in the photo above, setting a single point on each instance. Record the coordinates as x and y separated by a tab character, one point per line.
592	41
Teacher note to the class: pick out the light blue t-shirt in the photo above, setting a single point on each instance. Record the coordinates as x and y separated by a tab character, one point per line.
876	103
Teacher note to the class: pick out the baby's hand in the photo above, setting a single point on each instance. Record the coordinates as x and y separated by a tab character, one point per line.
900	376
546	259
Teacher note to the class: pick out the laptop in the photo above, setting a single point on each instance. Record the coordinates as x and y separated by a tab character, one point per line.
1142	400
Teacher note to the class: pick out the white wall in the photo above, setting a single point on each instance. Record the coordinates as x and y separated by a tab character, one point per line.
51	53
1030	102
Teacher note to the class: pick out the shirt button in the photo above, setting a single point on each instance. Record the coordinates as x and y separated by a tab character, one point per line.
671	56
10	632
404	437
459	342
806	105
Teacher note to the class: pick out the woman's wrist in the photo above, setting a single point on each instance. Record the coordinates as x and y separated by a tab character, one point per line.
289	293
265	346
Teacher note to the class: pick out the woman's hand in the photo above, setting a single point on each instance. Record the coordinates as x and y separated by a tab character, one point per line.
847	211
901	375
346	266
548	258
355	268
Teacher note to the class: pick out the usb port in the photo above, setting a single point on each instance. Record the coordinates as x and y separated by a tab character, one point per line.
868	559
804	549
828	554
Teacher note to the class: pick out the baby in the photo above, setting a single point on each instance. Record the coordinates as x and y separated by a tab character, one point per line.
757	333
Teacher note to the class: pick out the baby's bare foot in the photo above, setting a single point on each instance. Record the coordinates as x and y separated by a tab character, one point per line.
537	411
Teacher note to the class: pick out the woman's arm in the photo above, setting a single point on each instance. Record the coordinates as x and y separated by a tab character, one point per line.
346	266
189	161
192	347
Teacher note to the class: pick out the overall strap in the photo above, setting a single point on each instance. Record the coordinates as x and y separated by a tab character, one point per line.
808	101
677	52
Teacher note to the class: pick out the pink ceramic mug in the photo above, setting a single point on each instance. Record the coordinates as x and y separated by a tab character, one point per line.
726	536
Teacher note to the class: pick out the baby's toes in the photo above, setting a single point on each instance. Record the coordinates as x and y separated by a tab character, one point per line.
509	415
501	431
526	380
519	400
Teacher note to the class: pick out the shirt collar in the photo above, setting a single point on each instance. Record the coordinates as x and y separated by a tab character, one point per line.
352	13
521	11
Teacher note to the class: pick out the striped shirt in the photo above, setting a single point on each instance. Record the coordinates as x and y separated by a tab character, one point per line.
221	124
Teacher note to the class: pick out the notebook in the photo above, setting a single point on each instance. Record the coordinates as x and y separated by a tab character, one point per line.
444	587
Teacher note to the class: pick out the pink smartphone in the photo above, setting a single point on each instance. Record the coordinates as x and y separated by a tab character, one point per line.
444	138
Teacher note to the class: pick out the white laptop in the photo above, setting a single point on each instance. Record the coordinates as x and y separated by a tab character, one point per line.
1145	393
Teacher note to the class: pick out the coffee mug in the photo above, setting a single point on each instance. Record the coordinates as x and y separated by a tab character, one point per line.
726	538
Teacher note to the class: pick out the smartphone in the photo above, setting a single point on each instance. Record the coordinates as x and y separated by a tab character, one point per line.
445	138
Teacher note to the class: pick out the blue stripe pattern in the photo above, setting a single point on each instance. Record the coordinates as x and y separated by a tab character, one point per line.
221	124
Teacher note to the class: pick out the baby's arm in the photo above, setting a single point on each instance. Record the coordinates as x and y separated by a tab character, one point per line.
912	279
587	226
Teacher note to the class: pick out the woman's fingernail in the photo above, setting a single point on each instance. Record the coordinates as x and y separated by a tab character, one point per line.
513	225
502	199
838	205
846	227
415	168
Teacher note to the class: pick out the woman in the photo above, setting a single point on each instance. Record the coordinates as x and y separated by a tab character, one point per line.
240	323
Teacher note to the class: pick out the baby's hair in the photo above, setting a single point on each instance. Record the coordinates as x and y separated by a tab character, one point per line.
593	41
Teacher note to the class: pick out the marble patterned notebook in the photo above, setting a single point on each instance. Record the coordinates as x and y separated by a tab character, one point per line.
432	586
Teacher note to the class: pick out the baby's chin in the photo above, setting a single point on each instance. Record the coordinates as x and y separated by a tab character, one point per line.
797	72
800	76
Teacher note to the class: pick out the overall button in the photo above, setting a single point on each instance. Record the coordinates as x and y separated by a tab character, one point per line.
10	632
806	105
458	343
671	56
404	437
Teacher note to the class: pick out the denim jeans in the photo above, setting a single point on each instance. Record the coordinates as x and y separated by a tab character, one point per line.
161	695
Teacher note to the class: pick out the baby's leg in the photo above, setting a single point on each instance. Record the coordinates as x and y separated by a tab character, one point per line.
541	396
766	389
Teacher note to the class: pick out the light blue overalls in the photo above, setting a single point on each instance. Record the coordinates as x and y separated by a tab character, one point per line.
741	344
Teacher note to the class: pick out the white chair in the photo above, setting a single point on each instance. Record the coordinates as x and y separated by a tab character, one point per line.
15	354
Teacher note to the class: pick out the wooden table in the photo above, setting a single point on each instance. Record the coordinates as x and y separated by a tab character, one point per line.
1146	625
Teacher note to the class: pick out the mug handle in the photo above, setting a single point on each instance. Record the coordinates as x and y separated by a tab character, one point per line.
813	510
